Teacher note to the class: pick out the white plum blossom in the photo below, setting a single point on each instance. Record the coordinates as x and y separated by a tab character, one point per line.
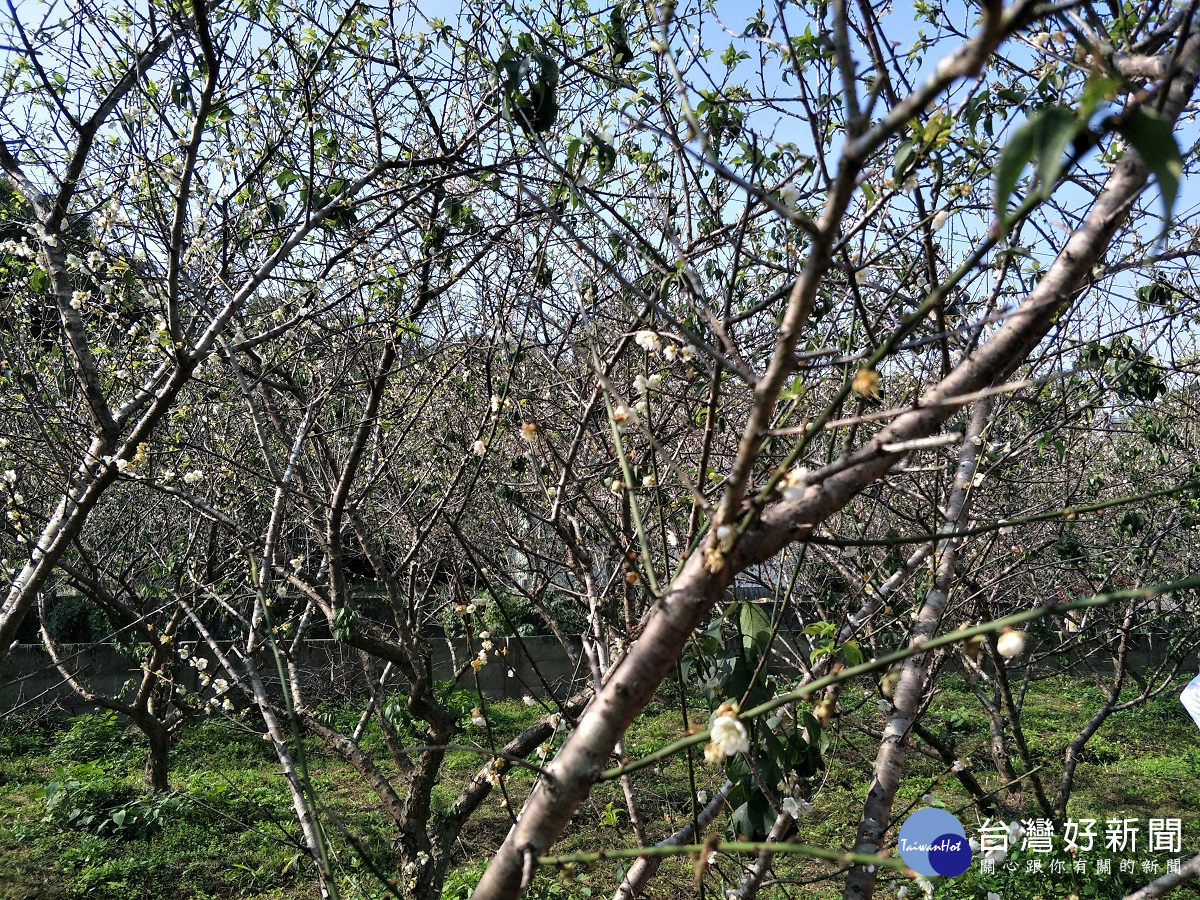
795	483
648	341
939	219
797	809
789	194
687	352
670	351
528	700
1011	644
193	476
728	737
479	448
200	663
996	853
702	798
10	476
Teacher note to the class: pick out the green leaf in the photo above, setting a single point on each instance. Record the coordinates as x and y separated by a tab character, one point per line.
755	627
820	629
1042	140
618	38
753	819
906	155
1151	136
852	654
1099	89
1154	294
1057	127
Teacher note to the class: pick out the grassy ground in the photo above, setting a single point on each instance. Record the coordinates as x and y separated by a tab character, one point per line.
226	830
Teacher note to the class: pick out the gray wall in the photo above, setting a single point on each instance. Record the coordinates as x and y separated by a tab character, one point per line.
331	671
30	682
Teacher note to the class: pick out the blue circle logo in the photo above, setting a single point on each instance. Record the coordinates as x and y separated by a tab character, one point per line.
933	842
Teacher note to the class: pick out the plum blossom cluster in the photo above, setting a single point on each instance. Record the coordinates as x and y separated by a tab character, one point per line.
796	808
413	865
653	343
485	647
21	249
219	701
645	384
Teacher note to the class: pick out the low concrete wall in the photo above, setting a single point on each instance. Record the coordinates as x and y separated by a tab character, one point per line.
329	670
332	671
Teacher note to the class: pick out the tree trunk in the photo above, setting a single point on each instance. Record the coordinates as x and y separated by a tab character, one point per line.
156	761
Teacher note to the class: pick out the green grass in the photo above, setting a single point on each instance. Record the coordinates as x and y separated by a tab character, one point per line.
227	830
